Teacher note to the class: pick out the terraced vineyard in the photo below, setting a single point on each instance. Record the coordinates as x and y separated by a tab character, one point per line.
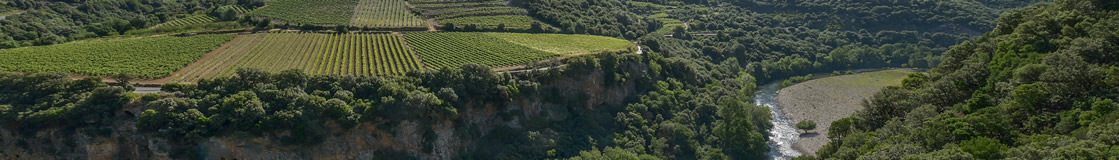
336	12
454	49
669	23
142	57
510	21
360	13
483	14
384	13
236	8
339	54
195	19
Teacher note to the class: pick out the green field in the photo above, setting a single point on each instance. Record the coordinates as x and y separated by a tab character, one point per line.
566	45
337	54
336	12
142	57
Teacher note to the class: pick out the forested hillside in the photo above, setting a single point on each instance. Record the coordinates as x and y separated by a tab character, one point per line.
1040	85
54	22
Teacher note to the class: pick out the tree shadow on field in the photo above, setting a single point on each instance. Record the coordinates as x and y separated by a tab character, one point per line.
809	135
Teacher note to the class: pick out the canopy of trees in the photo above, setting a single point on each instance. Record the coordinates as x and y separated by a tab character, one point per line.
53	22
1041	85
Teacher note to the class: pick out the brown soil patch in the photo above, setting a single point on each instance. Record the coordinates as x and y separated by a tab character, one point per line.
431	25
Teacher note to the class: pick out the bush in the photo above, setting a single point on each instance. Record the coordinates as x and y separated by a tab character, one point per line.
806	125
150	97
984	148
172	87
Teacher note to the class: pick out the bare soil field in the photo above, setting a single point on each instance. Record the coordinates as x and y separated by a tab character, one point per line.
829	99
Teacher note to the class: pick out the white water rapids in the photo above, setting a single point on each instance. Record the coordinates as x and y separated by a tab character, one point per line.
783	134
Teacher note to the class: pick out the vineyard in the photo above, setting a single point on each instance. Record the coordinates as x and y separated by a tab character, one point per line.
195	19
482	14
335	12
510	21
235	8
338	54
669	23
454	49
141	57
384	13
566	45
458	4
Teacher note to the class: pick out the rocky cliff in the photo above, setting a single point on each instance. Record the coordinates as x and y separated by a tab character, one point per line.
368	140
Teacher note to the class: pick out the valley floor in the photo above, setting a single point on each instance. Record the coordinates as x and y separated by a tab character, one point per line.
829	99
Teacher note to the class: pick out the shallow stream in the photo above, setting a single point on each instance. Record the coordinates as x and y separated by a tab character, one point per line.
783	134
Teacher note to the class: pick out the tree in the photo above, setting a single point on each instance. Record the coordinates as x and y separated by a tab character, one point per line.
242	110
337	109
449	27
536	27
264	23
738	133
125	81
341	29
1030	95
680	32
806	125
138	22
229	15
984	148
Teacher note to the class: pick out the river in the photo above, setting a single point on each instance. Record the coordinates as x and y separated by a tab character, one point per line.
783	134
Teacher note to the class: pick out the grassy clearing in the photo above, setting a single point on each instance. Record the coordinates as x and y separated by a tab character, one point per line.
565	44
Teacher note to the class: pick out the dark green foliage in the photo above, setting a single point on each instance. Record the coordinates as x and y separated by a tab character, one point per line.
43	100
602	17
689	96
741	138
53	22
983	147
806	125
1036	87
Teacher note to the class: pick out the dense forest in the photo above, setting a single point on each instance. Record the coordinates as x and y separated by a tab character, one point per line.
54	22
1041	85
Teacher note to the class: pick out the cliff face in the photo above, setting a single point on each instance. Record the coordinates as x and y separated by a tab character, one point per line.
368	140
